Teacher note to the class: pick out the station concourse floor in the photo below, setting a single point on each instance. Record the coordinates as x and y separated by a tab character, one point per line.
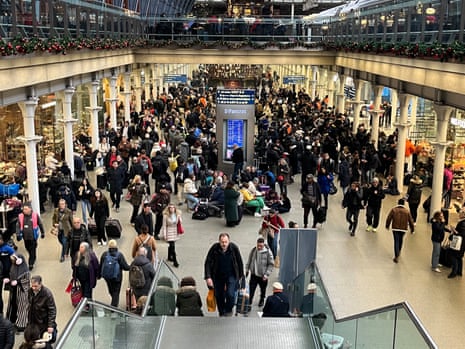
358	272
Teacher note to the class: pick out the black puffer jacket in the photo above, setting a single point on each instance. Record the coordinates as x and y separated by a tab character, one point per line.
189	302
7	334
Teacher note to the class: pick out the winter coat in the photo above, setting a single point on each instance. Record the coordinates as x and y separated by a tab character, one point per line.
276	305
344	173
116	178
400	218
324	181
353	199
374	195
66	220
437	230
260	262
414	193
94	270
149	274
7	334
212	261
170	227
189	302
137	191
230	205
42	309
121	261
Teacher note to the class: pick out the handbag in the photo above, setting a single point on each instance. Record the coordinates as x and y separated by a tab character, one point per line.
180	228
75	290
332	189
211	300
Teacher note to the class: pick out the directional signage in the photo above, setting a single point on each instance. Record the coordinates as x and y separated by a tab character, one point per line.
235	97
293	79
175	78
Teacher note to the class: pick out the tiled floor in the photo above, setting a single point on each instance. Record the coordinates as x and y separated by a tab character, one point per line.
358	271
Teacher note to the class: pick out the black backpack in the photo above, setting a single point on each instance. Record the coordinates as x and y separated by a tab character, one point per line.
136	276
201	213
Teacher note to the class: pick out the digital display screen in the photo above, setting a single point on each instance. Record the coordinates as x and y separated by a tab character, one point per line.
235	132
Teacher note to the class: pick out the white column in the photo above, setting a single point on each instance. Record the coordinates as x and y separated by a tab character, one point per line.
127	96
148	95
442	116
113	100
402	126
340	96
314	81
138	90
30	140
359	84
376	113
394	106
93	109
68	122
413	110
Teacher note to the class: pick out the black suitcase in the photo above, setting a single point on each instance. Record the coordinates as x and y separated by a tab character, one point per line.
321	214
102	181
92	227
113	228
444	258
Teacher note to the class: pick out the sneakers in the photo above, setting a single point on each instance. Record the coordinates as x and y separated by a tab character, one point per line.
99	243
104	243
373	230
257	214
369	228
265	208
437	270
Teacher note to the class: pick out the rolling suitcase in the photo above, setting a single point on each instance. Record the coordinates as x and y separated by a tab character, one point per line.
243	305
131	301
321	215
92	226
113	228
102	181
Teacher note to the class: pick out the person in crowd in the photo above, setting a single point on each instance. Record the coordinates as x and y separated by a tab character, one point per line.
144	239
313	304
231	196
237	158
352	202
143	262
28	228
277	305
6	255
86	269
272	223
284	173
100	211
163	299
136	169
42	308
144	218
7	333
158	204
456	253
391	185
344	173
146	164
116	176
216	201
373	198
293	225
447	185
438	229
223	269
137	190
400	219
414	196
260	266
252	200
171	220
77	235
103	149
325	181
191	192
112	255
188	300
19	283
63	221
85	193
311	199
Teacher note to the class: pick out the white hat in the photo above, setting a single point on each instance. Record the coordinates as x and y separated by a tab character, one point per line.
278	285
311	286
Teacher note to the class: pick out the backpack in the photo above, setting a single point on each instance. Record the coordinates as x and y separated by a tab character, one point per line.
147	247
145	164
110	267
136	276
157	166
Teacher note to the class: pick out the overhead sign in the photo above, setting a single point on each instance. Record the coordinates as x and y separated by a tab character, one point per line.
293	79
236	97
175	78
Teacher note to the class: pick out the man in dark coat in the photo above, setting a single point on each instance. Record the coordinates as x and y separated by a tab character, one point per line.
144	218
116	175
276	305
311	198
231	209
223	269
237	158
374	196
42	308
7	334
457	249
142	261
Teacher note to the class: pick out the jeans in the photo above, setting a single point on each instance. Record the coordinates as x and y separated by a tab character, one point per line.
373	216
192	201
85	206
254	281
398	240
225	294
435	254
63	240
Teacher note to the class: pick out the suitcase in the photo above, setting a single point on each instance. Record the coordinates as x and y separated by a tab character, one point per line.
113	228
444	257
102	181
92	227
321	214
243	305
131	302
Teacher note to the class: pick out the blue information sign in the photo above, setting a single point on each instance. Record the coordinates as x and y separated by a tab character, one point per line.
293	79
175	78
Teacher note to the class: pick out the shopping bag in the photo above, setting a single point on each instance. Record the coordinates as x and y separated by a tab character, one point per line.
211	300
75	291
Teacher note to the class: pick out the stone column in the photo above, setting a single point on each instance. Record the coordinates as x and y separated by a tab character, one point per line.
113	100
340	95
68	122
138	90
394	103
357	104
440	145
331	88
30	140
314	81
93	109
127	96
403	126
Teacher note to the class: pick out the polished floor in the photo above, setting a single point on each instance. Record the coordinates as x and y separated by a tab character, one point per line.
358	271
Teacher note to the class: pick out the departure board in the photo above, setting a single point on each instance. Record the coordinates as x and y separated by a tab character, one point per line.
235	131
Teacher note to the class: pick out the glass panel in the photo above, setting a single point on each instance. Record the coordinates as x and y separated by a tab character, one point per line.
407	335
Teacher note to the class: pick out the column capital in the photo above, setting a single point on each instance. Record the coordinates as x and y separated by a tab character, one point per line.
438	144
67	121
30	139
442	111
402	125
69	90
94	108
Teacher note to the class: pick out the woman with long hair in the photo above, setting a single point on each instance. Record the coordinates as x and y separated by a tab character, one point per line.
100	211
86	269
85	193
171	219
